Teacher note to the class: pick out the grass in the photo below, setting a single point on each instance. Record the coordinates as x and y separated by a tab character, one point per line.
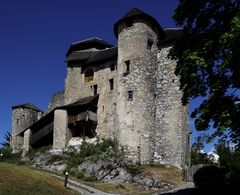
169	174
18	180
117	188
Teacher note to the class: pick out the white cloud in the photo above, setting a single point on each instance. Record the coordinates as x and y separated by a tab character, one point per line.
212	153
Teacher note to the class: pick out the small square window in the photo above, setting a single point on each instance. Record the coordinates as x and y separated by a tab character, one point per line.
130	95
95	90
111	84
127	63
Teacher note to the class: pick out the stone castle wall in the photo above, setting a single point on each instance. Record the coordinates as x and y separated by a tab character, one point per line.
171	117
56	101
21	119
136	116
76	88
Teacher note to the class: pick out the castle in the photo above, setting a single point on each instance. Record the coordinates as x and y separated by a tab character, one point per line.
127	92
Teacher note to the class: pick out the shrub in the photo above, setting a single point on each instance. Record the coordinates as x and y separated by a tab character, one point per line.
80	175
133	169
94	158
209	177
10	157
74	160
90	178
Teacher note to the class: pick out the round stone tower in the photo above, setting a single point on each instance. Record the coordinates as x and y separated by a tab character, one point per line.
23	116
138	34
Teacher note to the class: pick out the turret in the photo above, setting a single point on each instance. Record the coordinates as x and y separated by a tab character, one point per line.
23	116
138	34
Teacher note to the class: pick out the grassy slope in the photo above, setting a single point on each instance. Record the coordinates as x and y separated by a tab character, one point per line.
20	180
169	174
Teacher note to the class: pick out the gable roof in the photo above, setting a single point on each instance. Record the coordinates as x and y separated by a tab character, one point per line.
136	13
93	42
28	106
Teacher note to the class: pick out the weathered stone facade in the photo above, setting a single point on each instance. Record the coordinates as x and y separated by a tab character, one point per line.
129	93
22	117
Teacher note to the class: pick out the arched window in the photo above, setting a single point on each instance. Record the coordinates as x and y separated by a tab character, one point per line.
88	76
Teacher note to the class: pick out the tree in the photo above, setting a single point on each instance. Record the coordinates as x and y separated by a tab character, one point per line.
208	63
229	157
197	154
8	139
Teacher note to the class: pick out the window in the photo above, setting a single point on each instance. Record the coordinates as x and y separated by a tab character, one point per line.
149	44
89	75
95	90
111	84
127	63
112	67
130	95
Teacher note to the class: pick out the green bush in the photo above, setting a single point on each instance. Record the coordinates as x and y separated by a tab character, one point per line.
94	158
89	151
9	157
74	160
80	175
133	169
209	177
90	178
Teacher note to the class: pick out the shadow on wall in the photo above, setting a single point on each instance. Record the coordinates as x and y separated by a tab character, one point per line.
211	180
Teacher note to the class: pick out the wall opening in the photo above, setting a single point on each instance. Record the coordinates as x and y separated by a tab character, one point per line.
88	76
113	67
130	95
127	63
111	84
83	129
95	90
149	44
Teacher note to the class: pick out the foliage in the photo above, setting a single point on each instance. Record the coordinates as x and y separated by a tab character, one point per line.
209	177
8	140
10	157
90	151
32	153
80	175
208	63
229	160
197	154
133	169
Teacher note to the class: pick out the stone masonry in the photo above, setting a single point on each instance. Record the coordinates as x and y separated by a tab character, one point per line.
128	93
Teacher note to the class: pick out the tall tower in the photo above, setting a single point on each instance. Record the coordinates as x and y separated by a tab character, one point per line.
138	34
23	116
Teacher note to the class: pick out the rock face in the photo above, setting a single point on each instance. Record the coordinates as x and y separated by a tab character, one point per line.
138	96
107	166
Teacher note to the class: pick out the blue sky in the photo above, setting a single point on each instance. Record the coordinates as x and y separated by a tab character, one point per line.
35	36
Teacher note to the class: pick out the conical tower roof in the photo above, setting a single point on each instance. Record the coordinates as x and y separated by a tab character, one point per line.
136	13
